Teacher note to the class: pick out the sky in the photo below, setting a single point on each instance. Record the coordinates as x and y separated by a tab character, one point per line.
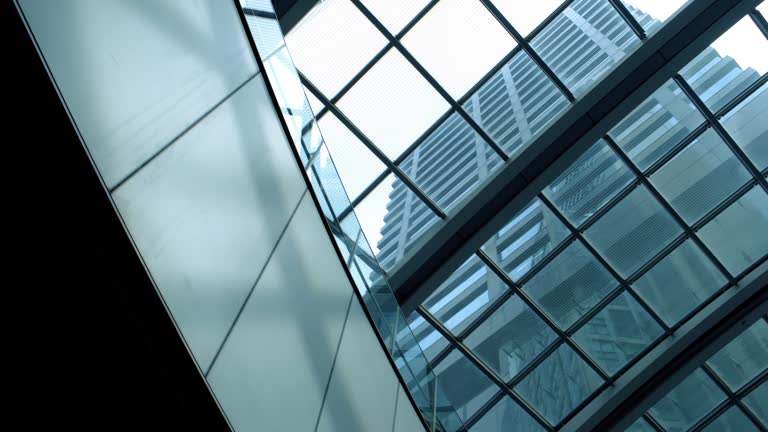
335	41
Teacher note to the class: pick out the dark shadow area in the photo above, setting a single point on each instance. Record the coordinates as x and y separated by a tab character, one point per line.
97	348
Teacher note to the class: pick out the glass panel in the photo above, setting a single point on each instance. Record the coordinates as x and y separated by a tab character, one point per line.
559	384
633	231
357	166
510	338
731	235
451	162
328	57
748	125
729	66
618	333
266	34
395	14
584	42
763	9
314	102
652	13
516	103
526	240
679	283
526	16
465	386
506	415
393	93
744	357
755	401
589	183
392	218
458	42
688	402
700	177
657	125
640	426
570	285
466	294
733	420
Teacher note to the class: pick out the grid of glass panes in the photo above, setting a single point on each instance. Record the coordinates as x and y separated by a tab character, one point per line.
640	233
729	393
588	326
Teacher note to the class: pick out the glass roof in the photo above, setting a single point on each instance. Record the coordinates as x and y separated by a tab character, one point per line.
651	223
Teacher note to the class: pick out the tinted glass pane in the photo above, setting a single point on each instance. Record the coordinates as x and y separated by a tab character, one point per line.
516	103
657	125
680	282
526	16
700	177
328	57
510	338
526	240
755	401
688	402
633	231
640	426
570	285
559	384
451	162
733	420
393	93
584	42
467	293
733	62
618	333
458	42
744	357
731	235
589	183
748	125
465	386
652	13
506	415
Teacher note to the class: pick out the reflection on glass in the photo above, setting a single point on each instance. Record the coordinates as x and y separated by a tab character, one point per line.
747	124
451	162
584	42
329	57
465	295
516	103
526	240
393	218
458	42
652	13
526	16
679	283
657	125
732	420
510	338
570	285
744	357
755	401
507	415
731	235
633	231
700	177
465	386
640	426
395	14
392	104
589	183
618	333
559	384
729	66
357	166
688	402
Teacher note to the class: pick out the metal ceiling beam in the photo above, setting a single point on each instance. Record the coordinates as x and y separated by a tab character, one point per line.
451	241
676	357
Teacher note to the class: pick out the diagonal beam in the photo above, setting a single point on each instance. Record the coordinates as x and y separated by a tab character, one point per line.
675	358
452	240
